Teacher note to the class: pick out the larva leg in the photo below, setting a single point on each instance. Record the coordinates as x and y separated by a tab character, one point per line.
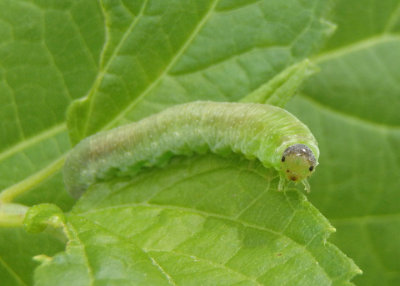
306	185
282	183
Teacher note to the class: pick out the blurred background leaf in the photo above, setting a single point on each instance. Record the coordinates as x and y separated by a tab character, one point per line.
169	52
49	56
352	106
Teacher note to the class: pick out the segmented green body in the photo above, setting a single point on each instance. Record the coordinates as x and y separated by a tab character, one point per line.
254	130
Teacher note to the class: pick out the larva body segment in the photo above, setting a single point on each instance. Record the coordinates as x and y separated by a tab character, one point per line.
254	130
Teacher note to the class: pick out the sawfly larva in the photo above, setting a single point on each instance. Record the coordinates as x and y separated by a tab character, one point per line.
268	133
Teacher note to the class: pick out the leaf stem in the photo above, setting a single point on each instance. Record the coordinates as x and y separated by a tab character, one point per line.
7	195
12	215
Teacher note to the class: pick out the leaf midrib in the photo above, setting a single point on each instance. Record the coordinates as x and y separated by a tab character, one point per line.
75	236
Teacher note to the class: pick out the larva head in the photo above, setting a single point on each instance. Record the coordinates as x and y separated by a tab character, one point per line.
298	162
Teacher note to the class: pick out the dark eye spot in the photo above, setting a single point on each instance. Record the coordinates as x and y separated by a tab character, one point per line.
283	158
287	171
293	178
311	168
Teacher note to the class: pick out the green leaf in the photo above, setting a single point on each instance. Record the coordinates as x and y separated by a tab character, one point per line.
193	53
17	248
126	60
63	48
352	106
49	53
200	221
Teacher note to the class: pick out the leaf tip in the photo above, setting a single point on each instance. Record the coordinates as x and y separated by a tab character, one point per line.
42	258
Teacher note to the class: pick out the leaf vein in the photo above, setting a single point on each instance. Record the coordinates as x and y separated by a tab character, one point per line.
213	215
355	119
392	19
33	140
16	111
12	272
167	68
162	270
103	71
357	46
207	261
84	256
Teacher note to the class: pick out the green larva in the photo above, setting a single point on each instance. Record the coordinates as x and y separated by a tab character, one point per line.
269	133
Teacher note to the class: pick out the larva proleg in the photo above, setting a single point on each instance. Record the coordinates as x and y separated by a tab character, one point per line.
271	134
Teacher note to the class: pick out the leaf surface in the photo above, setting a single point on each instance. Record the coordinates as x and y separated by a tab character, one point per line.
17	248
216	50
102	52
203	220
49	56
